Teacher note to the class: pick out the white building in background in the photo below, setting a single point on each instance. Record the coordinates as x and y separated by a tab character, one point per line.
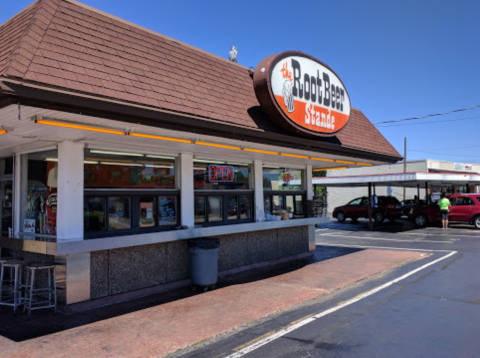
341	196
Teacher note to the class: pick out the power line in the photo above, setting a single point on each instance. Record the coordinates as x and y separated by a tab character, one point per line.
429	115
412	124
448	155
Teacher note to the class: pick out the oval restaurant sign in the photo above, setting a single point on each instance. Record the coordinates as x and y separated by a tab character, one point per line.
302	94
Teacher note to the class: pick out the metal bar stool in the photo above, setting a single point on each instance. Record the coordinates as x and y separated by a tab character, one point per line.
42	292
15	298
3	280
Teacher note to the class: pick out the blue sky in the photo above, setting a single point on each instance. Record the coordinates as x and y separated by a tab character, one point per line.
397	59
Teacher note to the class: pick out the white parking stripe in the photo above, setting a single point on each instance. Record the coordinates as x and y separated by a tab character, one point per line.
306	321
395	240
380	247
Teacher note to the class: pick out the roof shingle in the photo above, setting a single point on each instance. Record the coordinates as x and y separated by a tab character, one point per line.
66	44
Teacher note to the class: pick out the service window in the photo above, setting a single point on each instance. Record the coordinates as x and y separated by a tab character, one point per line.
39	202
127	193
223	192
284	191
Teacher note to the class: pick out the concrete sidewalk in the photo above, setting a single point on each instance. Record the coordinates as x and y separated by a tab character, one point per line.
158	330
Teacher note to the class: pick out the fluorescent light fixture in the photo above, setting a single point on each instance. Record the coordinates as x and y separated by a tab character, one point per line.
151	136
322	159
323	169
51	159
159	157
271	167
259	151
115	153
218	145
207	161
198	168
122	164
159	166
344	162
234	163
79	126
90	162
294	156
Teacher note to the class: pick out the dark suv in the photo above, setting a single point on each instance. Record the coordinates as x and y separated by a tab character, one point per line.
464	208
388	207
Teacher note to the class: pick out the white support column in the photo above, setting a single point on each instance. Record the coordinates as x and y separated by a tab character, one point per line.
309	182
186	190
258	188
70	191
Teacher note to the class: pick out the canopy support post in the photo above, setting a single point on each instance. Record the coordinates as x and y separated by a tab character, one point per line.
370	224
426	193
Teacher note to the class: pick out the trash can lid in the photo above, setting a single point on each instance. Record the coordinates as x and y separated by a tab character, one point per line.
205	243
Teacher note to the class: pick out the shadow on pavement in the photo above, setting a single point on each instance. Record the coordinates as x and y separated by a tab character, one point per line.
45	322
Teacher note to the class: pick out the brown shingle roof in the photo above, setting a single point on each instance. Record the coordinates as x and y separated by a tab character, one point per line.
69	45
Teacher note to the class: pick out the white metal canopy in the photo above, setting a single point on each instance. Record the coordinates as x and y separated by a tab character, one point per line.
412	180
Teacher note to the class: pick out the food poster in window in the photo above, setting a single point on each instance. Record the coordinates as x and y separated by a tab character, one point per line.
51	203
167	211
147	214
118	209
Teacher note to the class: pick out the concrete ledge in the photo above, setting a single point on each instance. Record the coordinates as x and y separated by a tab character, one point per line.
68	247
65	247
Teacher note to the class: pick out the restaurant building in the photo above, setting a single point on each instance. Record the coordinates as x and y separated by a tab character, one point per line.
118	144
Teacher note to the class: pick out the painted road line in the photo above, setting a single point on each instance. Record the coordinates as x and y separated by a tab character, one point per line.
306	321
451	241
380	247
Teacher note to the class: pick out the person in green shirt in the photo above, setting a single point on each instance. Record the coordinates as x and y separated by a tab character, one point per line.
444	204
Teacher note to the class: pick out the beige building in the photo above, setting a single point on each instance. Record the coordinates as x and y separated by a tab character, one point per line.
341	196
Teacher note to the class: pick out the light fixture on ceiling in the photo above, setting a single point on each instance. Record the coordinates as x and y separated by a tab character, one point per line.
97	151
159	157
152	136
207	161
218	145
79	126
259	151
323	169
123	164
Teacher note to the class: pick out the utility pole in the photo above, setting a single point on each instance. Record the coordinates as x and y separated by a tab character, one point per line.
405	165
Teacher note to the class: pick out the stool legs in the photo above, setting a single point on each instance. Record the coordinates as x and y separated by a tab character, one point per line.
11	288
31	291
1	281
17	295
55	289
32	281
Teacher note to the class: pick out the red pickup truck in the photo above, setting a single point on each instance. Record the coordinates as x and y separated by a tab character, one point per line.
464	208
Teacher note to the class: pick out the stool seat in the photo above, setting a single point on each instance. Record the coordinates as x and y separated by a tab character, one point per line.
38	266
15	262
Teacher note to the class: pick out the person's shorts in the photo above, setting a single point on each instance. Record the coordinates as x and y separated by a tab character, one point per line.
444	214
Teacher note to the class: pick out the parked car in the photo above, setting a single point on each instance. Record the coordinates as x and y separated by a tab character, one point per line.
408	204
388	207
464	208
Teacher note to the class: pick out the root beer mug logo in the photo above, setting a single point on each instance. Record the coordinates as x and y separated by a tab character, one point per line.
302	94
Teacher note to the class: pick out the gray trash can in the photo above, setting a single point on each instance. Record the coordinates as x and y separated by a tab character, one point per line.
204	263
